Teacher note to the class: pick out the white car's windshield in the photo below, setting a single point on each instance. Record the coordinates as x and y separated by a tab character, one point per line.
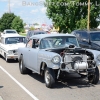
10	32
14	40
58	42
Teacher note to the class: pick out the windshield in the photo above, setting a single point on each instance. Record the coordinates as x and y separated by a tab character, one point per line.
35	33
11	32
95	36
14	40
58	42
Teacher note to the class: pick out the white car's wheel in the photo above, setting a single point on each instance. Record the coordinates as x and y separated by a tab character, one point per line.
22	68
49	77
6	57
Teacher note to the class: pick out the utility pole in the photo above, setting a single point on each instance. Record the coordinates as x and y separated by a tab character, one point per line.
9	6
88	21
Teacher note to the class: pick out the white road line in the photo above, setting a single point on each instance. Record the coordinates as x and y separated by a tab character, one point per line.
28	92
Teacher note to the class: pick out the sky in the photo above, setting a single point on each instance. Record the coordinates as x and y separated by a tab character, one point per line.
31	11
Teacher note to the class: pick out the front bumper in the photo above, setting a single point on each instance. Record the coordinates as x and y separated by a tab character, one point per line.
12	56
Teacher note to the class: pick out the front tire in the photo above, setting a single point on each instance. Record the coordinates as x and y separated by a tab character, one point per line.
6	59
22	68
49	77
94	78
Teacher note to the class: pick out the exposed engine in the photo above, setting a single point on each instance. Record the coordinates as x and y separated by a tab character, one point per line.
76	59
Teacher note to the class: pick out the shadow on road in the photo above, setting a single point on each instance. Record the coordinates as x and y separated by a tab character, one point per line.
71	83
1	86
13	61
37	77
10	60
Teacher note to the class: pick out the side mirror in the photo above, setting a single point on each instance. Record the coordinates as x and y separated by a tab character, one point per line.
85	40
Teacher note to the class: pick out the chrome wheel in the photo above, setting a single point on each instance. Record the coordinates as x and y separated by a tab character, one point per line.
47	77
21	65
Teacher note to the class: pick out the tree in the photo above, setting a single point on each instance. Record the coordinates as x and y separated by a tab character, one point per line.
32	28
69	15
6	21
17	24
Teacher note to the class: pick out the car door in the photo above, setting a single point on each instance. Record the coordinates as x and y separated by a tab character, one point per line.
2	49
26	53
33	56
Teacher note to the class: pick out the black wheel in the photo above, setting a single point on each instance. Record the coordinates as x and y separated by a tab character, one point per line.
49	77
6	59
94	78
22	68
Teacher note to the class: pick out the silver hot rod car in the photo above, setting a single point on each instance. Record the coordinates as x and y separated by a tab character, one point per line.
54	55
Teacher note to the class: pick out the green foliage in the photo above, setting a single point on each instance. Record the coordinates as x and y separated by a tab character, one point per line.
17	24
6	21
25	24
69	15
23	34
32	28
23	30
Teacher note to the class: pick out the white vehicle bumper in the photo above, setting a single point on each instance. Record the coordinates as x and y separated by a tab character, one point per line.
12	56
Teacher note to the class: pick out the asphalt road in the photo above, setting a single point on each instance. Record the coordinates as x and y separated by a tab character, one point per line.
14	86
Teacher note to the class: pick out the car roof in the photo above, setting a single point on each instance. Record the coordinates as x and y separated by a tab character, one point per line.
40	36
88	31
11	35
9	30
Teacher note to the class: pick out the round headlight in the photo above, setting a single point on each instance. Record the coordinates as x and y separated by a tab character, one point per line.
10	52
56	59
98	57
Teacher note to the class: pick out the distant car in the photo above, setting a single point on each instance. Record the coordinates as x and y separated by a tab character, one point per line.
88	39
34	32
9	45
55	56
54	33
10	31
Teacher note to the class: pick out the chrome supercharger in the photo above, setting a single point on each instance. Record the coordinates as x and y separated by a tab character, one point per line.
75	62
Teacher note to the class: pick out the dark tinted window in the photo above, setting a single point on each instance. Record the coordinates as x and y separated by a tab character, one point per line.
11	32
39	33
95	36
84	35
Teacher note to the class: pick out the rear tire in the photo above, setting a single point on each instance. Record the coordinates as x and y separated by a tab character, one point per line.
22	68
94	78
49	77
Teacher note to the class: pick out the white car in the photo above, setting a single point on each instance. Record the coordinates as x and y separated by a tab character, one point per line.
10	31
9	44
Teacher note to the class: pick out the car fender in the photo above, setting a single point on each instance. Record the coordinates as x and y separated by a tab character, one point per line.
95	53
46	57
